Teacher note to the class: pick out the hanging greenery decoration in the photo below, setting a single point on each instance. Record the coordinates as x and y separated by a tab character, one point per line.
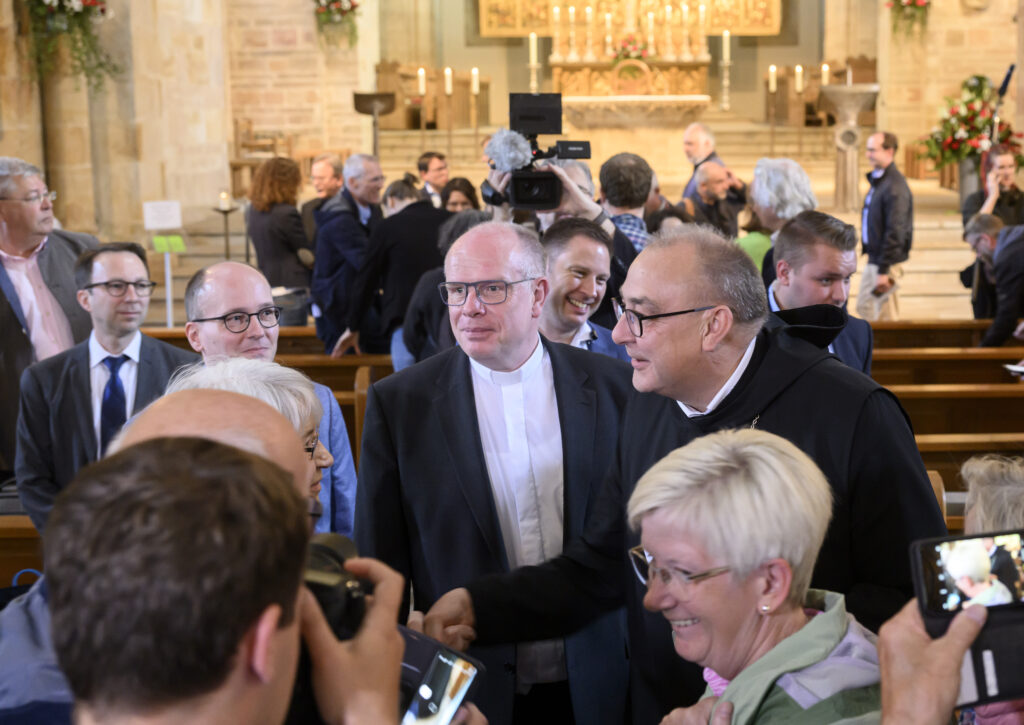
71	23
335	20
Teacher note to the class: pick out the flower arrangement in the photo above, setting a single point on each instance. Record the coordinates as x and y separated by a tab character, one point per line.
336	19
632	48
907	14
72	22
965	127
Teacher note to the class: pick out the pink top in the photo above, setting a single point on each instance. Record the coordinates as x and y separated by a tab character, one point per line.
48	328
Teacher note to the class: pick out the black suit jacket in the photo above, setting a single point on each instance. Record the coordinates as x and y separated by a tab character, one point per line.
855	344
1009	272
56	264
56	436
278	236
308	213
425	507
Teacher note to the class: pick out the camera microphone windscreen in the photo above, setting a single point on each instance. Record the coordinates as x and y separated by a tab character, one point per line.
508	150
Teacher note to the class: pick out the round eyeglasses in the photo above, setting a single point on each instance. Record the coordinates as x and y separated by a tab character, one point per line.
118	287
239	321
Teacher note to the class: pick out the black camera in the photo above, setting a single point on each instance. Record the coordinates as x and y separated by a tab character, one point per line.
532	114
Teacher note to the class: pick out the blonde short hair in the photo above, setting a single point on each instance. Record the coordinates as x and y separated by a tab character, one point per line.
286	390
995	492
969	559
749	495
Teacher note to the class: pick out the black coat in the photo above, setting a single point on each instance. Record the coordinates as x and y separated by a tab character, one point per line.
1008	264
890	220
427	330
278	236
862	441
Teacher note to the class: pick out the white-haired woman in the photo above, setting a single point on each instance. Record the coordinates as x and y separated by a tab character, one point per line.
780	190
286	390
731	525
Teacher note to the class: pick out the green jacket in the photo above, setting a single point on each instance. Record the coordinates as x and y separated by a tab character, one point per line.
824	673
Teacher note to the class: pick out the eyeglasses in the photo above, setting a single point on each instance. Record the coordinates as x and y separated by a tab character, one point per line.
239	321
118	287
488	291
635	320
311	448
645	570
35	197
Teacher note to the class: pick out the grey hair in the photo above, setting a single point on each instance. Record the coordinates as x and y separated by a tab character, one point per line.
336	164
726	272
12	168
742	480
995	492
528	257
698	126
783	186
286	390
577	164
354	164
704	170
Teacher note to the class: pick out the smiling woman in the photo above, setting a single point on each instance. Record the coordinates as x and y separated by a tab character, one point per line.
739	604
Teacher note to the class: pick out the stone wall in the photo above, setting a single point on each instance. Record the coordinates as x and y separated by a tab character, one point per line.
20	131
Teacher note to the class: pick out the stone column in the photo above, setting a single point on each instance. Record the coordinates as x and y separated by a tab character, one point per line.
20	130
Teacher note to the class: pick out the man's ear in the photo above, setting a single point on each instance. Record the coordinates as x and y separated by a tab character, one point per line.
782	272
259	643
715	326
540	294
192	335
82	296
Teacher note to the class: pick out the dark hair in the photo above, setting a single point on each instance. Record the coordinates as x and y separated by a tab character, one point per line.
276	181
456	226
626	180
889	141
988	224
462	185
404	188
83	265
159	559
656	219
995	152
423	162
808	228
558	235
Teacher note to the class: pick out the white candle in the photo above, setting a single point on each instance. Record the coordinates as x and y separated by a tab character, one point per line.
572	15
224	202
798	79
421	81
773	81
726	46
474	82
556	13
650	27
701	17
447	81
686	17
590	15
824	74
608	23
849	76
668	14
533	45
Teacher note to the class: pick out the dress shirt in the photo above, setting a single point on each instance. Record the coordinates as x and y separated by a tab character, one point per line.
364	213
48	328
99	375
725	389
583	337
867	204
518	417
634	228
435	196
773	304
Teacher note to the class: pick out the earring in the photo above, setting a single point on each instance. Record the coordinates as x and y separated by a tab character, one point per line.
765	608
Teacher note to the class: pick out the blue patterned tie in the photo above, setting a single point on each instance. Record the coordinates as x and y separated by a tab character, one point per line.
112	410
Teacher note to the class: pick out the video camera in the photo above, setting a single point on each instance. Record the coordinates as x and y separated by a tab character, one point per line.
516	151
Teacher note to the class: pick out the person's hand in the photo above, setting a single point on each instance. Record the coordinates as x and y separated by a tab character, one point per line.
700	713
734	181
415	622
349	340
575	202
921	675
883	285
357	681
992	183
1019	332
451	620
500	181
468	714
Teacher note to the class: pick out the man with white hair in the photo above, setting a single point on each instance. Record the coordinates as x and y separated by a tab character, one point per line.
344	224
969	566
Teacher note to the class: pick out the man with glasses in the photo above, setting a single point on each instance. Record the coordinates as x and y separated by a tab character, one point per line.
488	456
73	403
344	224
231	313
39	315
693	322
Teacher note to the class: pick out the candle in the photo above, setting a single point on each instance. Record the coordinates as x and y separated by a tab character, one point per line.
224	202
668	14
849	76
701	17
726	46
773	81
590	15
447	81
824	74
686	17
572	15
474	82
533	44
421	81
650	26
798	79
608	23
556	13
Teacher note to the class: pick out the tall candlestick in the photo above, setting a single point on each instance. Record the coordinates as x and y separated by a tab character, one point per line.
608	50
572	15
824	74
421	81
589	12
773	81
474	82
556	34
447	81
686	54
573	55
533	48
726	46
650	32
702	17
798	79
630	16
588	54
849	76
668	49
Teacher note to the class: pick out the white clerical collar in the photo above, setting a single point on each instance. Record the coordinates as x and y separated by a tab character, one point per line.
725	389
522	373
97	353
583	335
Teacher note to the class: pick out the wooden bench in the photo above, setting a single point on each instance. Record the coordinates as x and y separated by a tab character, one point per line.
929	333
302	340
20	548
946	452
930	365
353	403
336	374
963	407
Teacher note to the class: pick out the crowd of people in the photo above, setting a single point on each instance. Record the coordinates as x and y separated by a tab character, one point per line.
631	458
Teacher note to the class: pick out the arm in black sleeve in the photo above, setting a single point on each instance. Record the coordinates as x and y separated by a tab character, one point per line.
288	231
416	327
972	205
367	279
33	461
1009	288
897	216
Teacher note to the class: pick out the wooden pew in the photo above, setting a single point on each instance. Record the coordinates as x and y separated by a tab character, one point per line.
20	548
946	452
336	374
929	333
353	403
301	340
930	365
963	407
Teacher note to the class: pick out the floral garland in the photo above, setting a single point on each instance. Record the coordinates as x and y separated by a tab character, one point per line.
908	14
73	22
336	19
632	48
965	127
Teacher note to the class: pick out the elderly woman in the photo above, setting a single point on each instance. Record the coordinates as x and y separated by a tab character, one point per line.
286	390
731	525
780	190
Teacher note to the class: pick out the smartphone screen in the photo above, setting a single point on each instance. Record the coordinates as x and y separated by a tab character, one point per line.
976	570
435	680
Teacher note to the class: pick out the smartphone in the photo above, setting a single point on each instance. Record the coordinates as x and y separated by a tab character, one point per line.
435	680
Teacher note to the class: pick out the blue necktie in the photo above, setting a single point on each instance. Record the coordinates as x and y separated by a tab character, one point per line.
112	410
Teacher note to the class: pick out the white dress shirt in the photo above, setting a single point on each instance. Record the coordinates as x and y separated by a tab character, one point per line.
725	389
583	337
522	443
99	374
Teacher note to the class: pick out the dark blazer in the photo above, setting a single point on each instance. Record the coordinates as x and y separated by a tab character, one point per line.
424	505
890	220
1008	265
855	344
624	255
604	344
56	264
402	247
721	215
278	236
56	436
308	213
